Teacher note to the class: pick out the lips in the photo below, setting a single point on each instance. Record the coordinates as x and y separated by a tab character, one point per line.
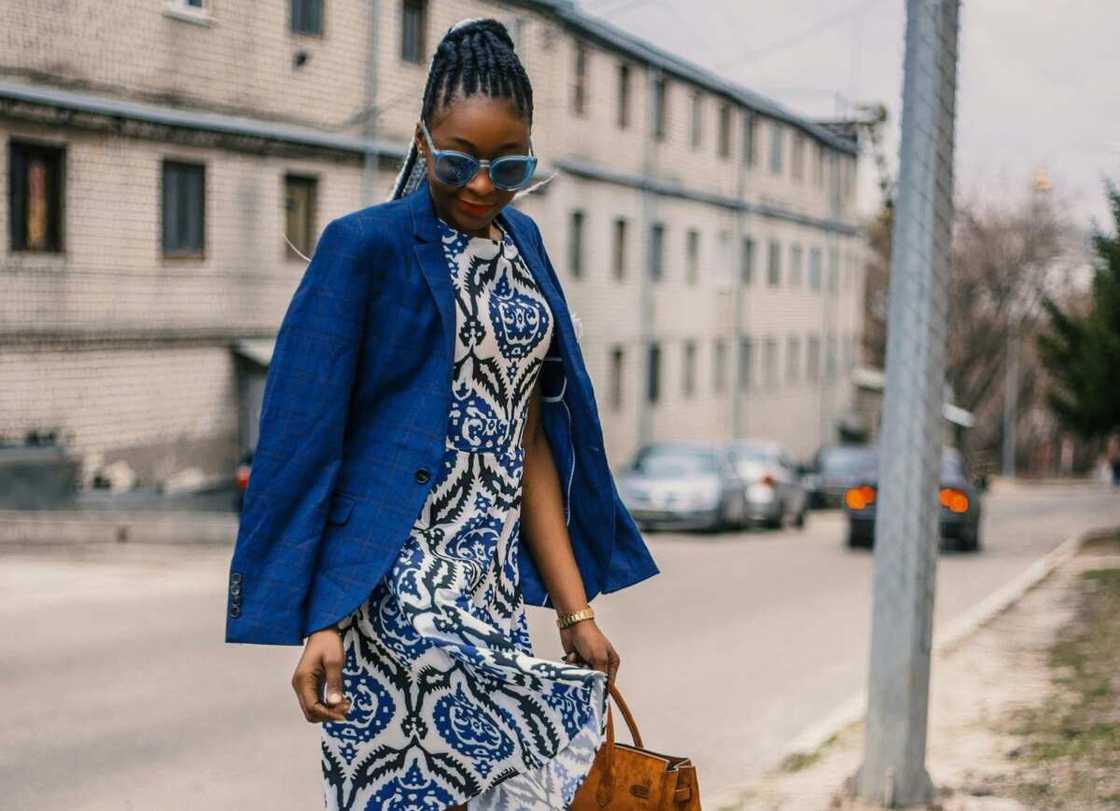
475	210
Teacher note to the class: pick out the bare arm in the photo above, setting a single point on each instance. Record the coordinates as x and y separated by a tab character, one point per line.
546	535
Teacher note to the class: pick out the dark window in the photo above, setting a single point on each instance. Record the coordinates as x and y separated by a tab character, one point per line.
693	254
830	358
579	86
660	107
724	130
35	195
815	268
750	138
184	208
797	157
774	264
795	259
746	261
793	359
196	3
689	368
617	358
770	361
575	244
719	365
777	134
833	268
623	96
653	372
657	251
307	16
813	359
746	363
696	136
619	248
414	25
299	213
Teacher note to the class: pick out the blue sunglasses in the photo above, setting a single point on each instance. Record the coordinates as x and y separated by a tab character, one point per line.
457	169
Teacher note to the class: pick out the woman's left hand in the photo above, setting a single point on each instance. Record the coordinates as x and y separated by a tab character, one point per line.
590	647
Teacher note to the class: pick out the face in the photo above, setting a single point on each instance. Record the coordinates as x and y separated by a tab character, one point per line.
486	128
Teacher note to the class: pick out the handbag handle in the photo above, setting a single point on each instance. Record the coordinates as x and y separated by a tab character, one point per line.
606	782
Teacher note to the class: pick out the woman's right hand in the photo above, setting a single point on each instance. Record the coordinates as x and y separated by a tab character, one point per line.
321	662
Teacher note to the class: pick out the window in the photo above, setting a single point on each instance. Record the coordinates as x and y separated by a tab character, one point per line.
725	262
184	208
746	261
833	267
623	96
818	166
579	84
692	258
656	251
746	363
35	196
750	138
724	130
797	157
719	365
770	361
830	359
774	264
815	268
619	247
776	136
307	17
575	244
794	266
653	372
660	107
414	25
813	359
793	359
689	368
617	358
299	213
696	131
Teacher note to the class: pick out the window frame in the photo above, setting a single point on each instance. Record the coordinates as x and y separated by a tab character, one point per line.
696	120
306	32
577	228
312	183
777	146
692	255
22	149
656	262
623	89
420	8
660	104
580	70
191	252
773	263
619	236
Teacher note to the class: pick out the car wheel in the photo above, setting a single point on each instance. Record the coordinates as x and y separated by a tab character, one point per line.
777	521
857	540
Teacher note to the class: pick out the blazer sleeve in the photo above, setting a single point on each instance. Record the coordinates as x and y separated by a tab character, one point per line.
303	419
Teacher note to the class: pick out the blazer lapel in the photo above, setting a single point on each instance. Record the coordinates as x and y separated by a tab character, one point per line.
433	263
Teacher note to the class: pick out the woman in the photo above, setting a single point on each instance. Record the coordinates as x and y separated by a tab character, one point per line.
433	696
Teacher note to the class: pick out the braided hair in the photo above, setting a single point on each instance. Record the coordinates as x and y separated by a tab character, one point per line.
475	56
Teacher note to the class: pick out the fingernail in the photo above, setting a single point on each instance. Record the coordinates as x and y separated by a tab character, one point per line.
334	698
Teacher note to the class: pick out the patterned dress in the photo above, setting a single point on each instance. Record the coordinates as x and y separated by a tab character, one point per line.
448	703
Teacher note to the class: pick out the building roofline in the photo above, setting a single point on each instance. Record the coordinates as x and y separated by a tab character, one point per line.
642	50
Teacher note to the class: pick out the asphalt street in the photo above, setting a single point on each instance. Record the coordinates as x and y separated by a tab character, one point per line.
122	694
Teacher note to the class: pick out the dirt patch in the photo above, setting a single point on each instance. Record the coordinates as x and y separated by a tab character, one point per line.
1068	755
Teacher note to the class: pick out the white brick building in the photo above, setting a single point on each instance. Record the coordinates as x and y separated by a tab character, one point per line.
156	152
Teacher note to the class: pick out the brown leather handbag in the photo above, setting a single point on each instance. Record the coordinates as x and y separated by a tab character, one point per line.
629	778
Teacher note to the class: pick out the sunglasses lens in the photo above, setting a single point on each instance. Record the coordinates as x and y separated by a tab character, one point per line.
455	170
511	173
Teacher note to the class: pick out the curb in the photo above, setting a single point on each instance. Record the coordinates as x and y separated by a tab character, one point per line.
76	527
854	708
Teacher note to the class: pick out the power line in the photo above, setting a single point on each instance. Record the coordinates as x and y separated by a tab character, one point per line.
801	36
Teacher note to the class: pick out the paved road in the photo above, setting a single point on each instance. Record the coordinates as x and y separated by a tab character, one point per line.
121	694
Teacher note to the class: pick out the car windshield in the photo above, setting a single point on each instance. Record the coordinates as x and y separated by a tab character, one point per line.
754	453
847	460
667	462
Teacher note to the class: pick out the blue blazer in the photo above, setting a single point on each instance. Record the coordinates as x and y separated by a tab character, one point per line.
354	419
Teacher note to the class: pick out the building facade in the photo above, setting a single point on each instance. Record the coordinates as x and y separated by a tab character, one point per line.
167	162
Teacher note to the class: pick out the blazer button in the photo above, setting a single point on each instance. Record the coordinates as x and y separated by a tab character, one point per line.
422	475
235	610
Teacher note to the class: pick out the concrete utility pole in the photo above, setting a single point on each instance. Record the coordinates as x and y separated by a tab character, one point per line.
893	772
369	165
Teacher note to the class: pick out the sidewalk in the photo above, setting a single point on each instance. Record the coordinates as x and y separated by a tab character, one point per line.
1024	711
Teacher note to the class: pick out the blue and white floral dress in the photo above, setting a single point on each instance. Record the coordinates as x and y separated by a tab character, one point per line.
449	704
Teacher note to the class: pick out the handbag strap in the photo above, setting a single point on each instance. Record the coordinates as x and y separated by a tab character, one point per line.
606	782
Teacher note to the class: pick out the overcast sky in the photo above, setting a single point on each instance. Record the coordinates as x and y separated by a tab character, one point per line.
1039	80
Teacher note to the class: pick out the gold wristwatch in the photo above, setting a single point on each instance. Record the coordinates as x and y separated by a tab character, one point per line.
585	613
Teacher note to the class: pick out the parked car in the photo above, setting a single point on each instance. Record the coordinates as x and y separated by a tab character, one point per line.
683	485
773	483
241	479
835	469
960	507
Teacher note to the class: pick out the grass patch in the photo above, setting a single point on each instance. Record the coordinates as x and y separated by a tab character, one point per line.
799	761
1070	756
